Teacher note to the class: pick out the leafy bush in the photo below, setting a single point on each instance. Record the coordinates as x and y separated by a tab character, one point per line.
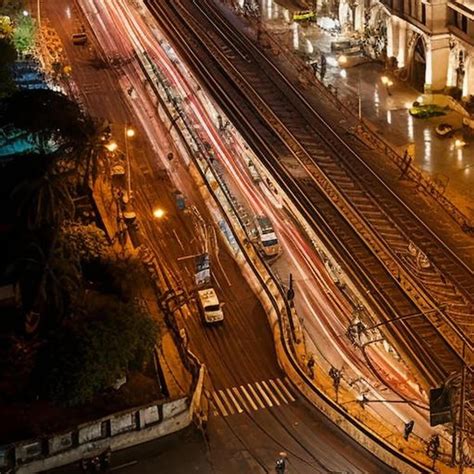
87	242
84	359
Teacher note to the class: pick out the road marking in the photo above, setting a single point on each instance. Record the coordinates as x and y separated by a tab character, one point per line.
256	396
121	466
264	395
288	393
255	407
177	238
251	397
241	399
227	403
219	404
277	390
275	399
231	395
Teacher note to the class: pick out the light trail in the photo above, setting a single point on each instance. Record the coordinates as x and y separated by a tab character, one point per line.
325	309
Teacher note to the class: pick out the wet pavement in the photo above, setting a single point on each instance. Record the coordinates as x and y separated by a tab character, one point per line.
387	109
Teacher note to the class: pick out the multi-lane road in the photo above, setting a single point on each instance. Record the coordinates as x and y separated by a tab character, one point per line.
388	249
255	412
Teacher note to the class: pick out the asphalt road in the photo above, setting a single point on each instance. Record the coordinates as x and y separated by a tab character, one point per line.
255	412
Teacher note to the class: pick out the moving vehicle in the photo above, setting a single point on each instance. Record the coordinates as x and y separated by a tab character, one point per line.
444	130
307	15
179	199
202	275
79	38
254	174
209	306
268	240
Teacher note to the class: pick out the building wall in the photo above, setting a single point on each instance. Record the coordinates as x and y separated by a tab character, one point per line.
445	31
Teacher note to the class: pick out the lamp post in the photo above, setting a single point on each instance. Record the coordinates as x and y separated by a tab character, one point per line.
387	82
129	133
158	213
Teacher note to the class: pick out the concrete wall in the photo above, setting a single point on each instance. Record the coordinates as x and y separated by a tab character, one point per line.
116	432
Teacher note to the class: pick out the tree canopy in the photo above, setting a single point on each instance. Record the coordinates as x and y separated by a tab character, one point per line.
82	359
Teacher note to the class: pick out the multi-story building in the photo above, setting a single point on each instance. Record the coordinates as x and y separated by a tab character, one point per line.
432	40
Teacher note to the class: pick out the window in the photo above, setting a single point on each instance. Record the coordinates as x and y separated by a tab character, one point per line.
464	23
423	13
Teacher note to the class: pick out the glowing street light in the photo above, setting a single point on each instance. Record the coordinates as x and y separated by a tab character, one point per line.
342	60
25	13
387	82
458	143
111	146
159	213
129	133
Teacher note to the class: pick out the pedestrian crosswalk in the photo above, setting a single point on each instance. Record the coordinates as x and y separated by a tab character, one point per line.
251	397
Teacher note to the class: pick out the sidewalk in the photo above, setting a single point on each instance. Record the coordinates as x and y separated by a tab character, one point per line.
452	166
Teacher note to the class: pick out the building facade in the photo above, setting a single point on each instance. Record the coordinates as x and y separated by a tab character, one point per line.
430	42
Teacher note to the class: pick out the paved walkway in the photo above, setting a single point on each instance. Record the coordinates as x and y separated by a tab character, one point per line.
389	113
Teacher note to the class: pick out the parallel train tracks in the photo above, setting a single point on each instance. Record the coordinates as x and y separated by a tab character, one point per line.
363	222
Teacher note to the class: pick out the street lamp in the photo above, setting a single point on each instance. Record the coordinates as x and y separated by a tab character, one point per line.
387	82
111	146
159	213
25	13
129	133
342	60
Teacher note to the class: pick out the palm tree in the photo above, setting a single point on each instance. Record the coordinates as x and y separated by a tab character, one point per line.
59	282
44	201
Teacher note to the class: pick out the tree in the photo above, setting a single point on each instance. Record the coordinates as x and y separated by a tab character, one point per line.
52	117
84	359
7	58
60	128
85	242
6	27
55	279
24	34
44	201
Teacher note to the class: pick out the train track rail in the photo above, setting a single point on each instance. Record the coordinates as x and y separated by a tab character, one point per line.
375	238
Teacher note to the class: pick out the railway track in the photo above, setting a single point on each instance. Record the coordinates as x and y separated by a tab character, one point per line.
374	233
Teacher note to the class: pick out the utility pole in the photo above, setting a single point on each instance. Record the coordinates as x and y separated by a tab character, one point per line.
461	411
359	98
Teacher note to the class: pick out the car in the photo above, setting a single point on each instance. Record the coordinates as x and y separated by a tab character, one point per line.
79	39
209	305
444	130
180	200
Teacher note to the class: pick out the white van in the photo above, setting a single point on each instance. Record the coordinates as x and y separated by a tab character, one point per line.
209	305
268	240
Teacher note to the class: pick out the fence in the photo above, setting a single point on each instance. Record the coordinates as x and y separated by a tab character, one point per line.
363	130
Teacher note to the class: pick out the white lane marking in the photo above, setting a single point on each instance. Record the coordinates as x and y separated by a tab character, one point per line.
255	396
264	395
278	391
231	395
178	240
219	404
227	403
288	393
241	398
252	403
274	398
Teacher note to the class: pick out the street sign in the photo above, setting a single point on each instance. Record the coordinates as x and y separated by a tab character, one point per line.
440	406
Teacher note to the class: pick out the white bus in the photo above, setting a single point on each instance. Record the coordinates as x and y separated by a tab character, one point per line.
267	237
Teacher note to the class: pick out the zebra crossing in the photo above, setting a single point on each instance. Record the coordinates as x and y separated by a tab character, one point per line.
251	397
